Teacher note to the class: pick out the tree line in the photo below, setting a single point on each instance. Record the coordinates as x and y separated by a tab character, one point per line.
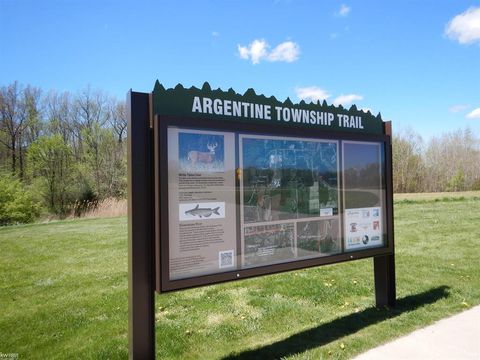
63	152
68	150
449	162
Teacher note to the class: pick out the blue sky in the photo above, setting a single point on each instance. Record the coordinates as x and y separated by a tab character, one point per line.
417	62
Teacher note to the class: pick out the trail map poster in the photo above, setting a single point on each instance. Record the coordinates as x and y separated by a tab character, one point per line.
289	199
202	210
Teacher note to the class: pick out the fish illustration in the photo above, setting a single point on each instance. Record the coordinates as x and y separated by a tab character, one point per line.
202	212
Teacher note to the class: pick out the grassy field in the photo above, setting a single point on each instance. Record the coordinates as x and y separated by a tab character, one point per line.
63	294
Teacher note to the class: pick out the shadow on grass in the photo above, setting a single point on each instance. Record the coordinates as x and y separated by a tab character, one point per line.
325	333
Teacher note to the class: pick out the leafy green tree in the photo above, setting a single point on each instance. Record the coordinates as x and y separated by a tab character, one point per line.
457	182
52	160
104	157
17	205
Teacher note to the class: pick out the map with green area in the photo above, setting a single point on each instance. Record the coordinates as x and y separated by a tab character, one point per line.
288	179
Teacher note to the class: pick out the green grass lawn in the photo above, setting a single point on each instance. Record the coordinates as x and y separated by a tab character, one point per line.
63	294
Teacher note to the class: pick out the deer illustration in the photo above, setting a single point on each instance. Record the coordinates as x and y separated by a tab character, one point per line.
202	157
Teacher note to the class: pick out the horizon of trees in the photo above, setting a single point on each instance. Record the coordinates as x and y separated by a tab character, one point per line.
68	148
68	151
449	162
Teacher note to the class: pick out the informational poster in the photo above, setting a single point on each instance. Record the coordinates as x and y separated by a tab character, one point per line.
240	200
289	199
201	200
364	195
363	228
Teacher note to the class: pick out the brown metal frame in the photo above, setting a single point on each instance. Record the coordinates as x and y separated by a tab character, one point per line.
147	196
164	284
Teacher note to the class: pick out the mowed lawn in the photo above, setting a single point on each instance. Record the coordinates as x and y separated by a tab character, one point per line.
63	294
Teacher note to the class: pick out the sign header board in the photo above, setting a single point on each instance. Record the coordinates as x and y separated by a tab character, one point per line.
206	103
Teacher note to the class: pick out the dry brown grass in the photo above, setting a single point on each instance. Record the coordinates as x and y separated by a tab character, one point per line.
118	207
108	208
437	195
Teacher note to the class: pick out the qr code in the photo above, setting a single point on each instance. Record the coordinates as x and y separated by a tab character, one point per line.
225	258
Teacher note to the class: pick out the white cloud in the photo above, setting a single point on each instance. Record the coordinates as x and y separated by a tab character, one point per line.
344	10
259	50
287	51
215	34
346	99
256	51
475	114
314	93
458	108
465	28
311	93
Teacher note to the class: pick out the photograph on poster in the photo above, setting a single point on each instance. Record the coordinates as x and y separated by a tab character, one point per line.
268	244
201	211
318	237
200	152
288	179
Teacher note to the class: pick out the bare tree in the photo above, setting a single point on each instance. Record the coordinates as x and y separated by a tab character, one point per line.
118	120
90	107
408	166
452	161
59	115
13	115
33	123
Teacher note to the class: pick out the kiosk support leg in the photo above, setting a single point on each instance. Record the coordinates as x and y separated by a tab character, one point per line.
384	266
141	278
384	273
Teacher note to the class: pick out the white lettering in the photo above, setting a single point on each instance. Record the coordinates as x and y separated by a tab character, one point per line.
340	116
217	107
330	118
279	112
227	107
197	106
352	122
305	116
267	112
296	115
207	105
321	117
258	111
245	109
261	111
237	108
